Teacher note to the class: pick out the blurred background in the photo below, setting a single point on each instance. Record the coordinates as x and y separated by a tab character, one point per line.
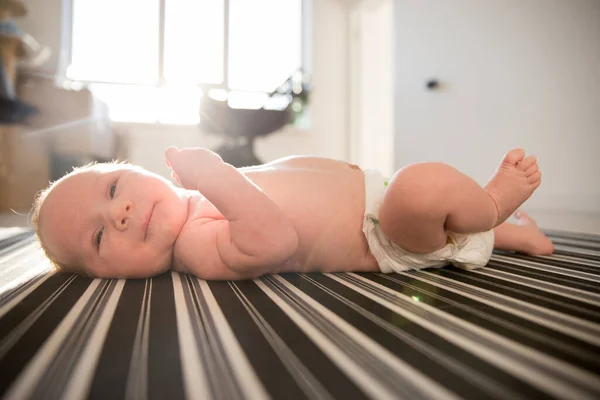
380	83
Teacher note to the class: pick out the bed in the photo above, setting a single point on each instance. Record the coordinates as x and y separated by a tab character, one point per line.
521	328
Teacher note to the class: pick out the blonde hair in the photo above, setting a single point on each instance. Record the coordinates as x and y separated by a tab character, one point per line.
40	197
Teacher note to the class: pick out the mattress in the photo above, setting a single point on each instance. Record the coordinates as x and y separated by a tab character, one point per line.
521	328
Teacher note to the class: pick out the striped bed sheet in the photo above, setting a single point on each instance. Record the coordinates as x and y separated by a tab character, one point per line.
522	328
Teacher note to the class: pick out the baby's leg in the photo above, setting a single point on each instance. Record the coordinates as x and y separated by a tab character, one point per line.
424	201
523	236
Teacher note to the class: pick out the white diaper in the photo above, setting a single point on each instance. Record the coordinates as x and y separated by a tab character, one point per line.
464	251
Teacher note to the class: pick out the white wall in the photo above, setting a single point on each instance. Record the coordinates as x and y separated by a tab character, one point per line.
371	85
515	73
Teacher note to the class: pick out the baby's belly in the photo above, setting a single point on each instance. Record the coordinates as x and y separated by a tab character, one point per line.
332	246
325	200
328	217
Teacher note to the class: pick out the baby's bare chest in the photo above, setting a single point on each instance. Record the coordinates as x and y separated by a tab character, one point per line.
307	195
312	192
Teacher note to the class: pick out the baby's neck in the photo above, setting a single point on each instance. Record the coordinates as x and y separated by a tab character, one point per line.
200	207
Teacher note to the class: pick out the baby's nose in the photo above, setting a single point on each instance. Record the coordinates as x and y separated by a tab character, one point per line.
120	215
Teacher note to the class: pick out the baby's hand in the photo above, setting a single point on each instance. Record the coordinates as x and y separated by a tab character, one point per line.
189	164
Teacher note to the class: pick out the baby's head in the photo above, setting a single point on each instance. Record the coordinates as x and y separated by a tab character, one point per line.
110	220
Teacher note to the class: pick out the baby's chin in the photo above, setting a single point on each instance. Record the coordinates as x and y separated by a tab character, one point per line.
147	274
131	272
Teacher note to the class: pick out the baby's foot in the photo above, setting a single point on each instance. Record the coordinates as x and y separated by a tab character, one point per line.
522	218
534	240
514	181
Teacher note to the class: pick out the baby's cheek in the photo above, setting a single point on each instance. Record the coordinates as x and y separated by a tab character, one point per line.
156	261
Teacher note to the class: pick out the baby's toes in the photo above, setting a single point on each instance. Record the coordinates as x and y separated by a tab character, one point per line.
532	169
513	157
527	162
535	178
175	177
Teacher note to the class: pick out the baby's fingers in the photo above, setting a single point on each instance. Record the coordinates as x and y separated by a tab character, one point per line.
175	177
170	154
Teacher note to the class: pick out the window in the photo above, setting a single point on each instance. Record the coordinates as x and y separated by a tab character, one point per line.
152	60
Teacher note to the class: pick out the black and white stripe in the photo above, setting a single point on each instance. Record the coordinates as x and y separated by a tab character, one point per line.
523	327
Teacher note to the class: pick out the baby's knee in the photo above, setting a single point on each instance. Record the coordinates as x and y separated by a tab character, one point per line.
421	186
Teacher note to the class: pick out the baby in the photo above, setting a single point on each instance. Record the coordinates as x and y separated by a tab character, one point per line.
296	214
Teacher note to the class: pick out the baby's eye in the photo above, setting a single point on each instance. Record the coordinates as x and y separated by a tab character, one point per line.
99	237
113	187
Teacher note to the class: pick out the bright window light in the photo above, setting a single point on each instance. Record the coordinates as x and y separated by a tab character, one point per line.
265	43
194	41
179	104
249	100
165	104
115	41
115	47
128	103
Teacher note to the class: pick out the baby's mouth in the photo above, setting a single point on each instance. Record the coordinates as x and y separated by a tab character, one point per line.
147	221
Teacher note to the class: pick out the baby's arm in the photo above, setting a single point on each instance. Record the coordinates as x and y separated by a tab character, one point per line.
197	252
256	234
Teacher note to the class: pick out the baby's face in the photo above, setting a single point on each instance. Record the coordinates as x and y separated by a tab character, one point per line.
116	221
